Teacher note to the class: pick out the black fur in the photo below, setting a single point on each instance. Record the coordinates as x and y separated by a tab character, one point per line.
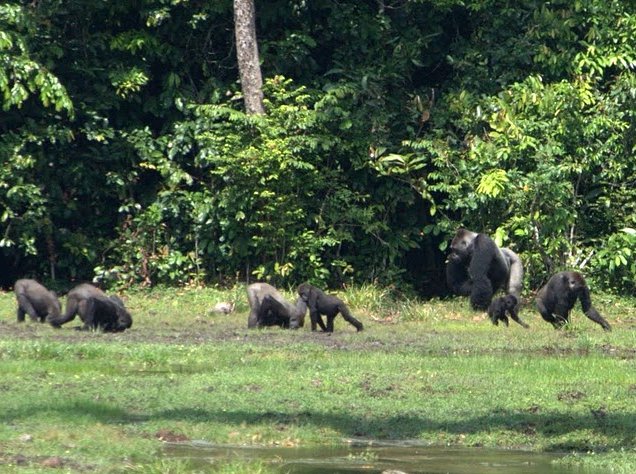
557	298
502	305
95	309
36	301
269	308
320	303
106	313
477	267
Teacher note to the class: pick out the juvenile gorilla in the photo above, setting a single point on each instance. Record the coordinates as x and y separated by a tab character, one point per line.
276	313
320	303
269	308
556	299
477	267
36	301
96	310
502	305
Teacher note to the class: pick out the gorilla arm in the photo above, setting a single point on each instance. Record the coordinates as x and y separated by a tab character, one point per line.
457	278
589	310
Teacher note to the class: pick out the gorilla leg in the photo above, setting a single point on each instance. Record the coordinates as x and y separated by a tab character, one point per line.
89	315
316	319
546	314
255	305
330	319
347	317
514	315
25	306
481	294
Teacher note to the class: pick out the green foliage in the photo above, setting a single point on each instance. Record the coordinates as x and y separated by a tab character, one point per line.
263	193
126	155
21	76
614	263
544	162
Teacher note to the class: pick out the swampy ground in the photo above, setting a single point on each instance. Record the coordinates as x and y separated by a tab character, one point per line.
431	372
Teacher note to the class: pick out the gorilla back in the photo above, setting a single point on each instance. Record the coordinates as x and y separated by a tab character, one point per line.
477	267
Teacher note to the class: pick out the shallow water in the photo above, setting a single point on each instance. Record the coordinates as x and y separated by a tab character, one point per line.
407	457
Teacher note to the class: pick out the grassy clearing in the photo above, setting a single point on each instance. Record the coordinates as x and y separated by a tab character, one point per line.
431	371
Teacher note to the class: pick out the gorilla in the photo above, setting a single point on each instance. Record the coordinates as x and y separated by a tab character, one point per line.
558	296
477	267
274	313
502	305
96	310
321	303
36	301
269	308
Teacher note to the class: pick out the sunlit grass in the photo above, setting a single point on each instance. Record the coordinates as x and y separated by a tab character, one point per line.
432	371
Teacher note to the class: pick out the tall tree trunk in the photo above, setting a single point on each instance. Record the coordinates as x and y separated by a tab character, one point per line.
247	56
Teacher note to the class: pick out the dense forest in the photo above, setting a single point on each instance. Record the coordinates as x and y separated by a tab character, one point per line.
128	157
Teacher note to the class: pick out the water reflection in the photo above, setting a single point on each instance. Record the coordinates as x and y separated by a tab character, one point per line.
371	459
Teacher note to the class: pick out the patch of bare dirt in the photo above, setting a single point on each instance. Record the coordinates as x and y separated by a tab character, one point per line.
170	436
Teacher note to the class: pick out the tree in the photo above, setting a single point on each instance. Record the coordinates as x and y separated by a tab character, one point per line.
247	55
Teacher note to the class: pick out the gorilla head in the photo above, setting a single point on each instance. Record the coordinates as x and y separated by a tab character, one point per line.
462	245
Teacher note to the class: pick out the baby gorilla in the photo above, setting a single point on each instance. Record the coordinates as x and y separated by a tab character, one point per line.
320	303
502	305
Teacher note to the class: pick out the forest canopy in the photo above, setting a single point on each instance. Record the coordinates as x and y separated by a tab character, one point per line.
127	155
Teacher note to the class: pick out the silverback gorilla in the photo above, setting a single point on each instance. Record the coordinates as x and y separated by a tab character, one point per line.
556	299
502	305
321	303
477	267
36	301
269	308
96	310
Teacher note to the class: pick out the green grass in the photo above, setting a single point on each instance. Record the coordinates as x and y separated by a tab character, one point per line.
429	371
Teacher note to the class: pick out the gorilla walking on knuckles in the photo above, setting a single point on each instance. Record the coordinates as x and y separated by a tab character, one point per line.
556	299
269	308
35	300
321	303
95	309
477	267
